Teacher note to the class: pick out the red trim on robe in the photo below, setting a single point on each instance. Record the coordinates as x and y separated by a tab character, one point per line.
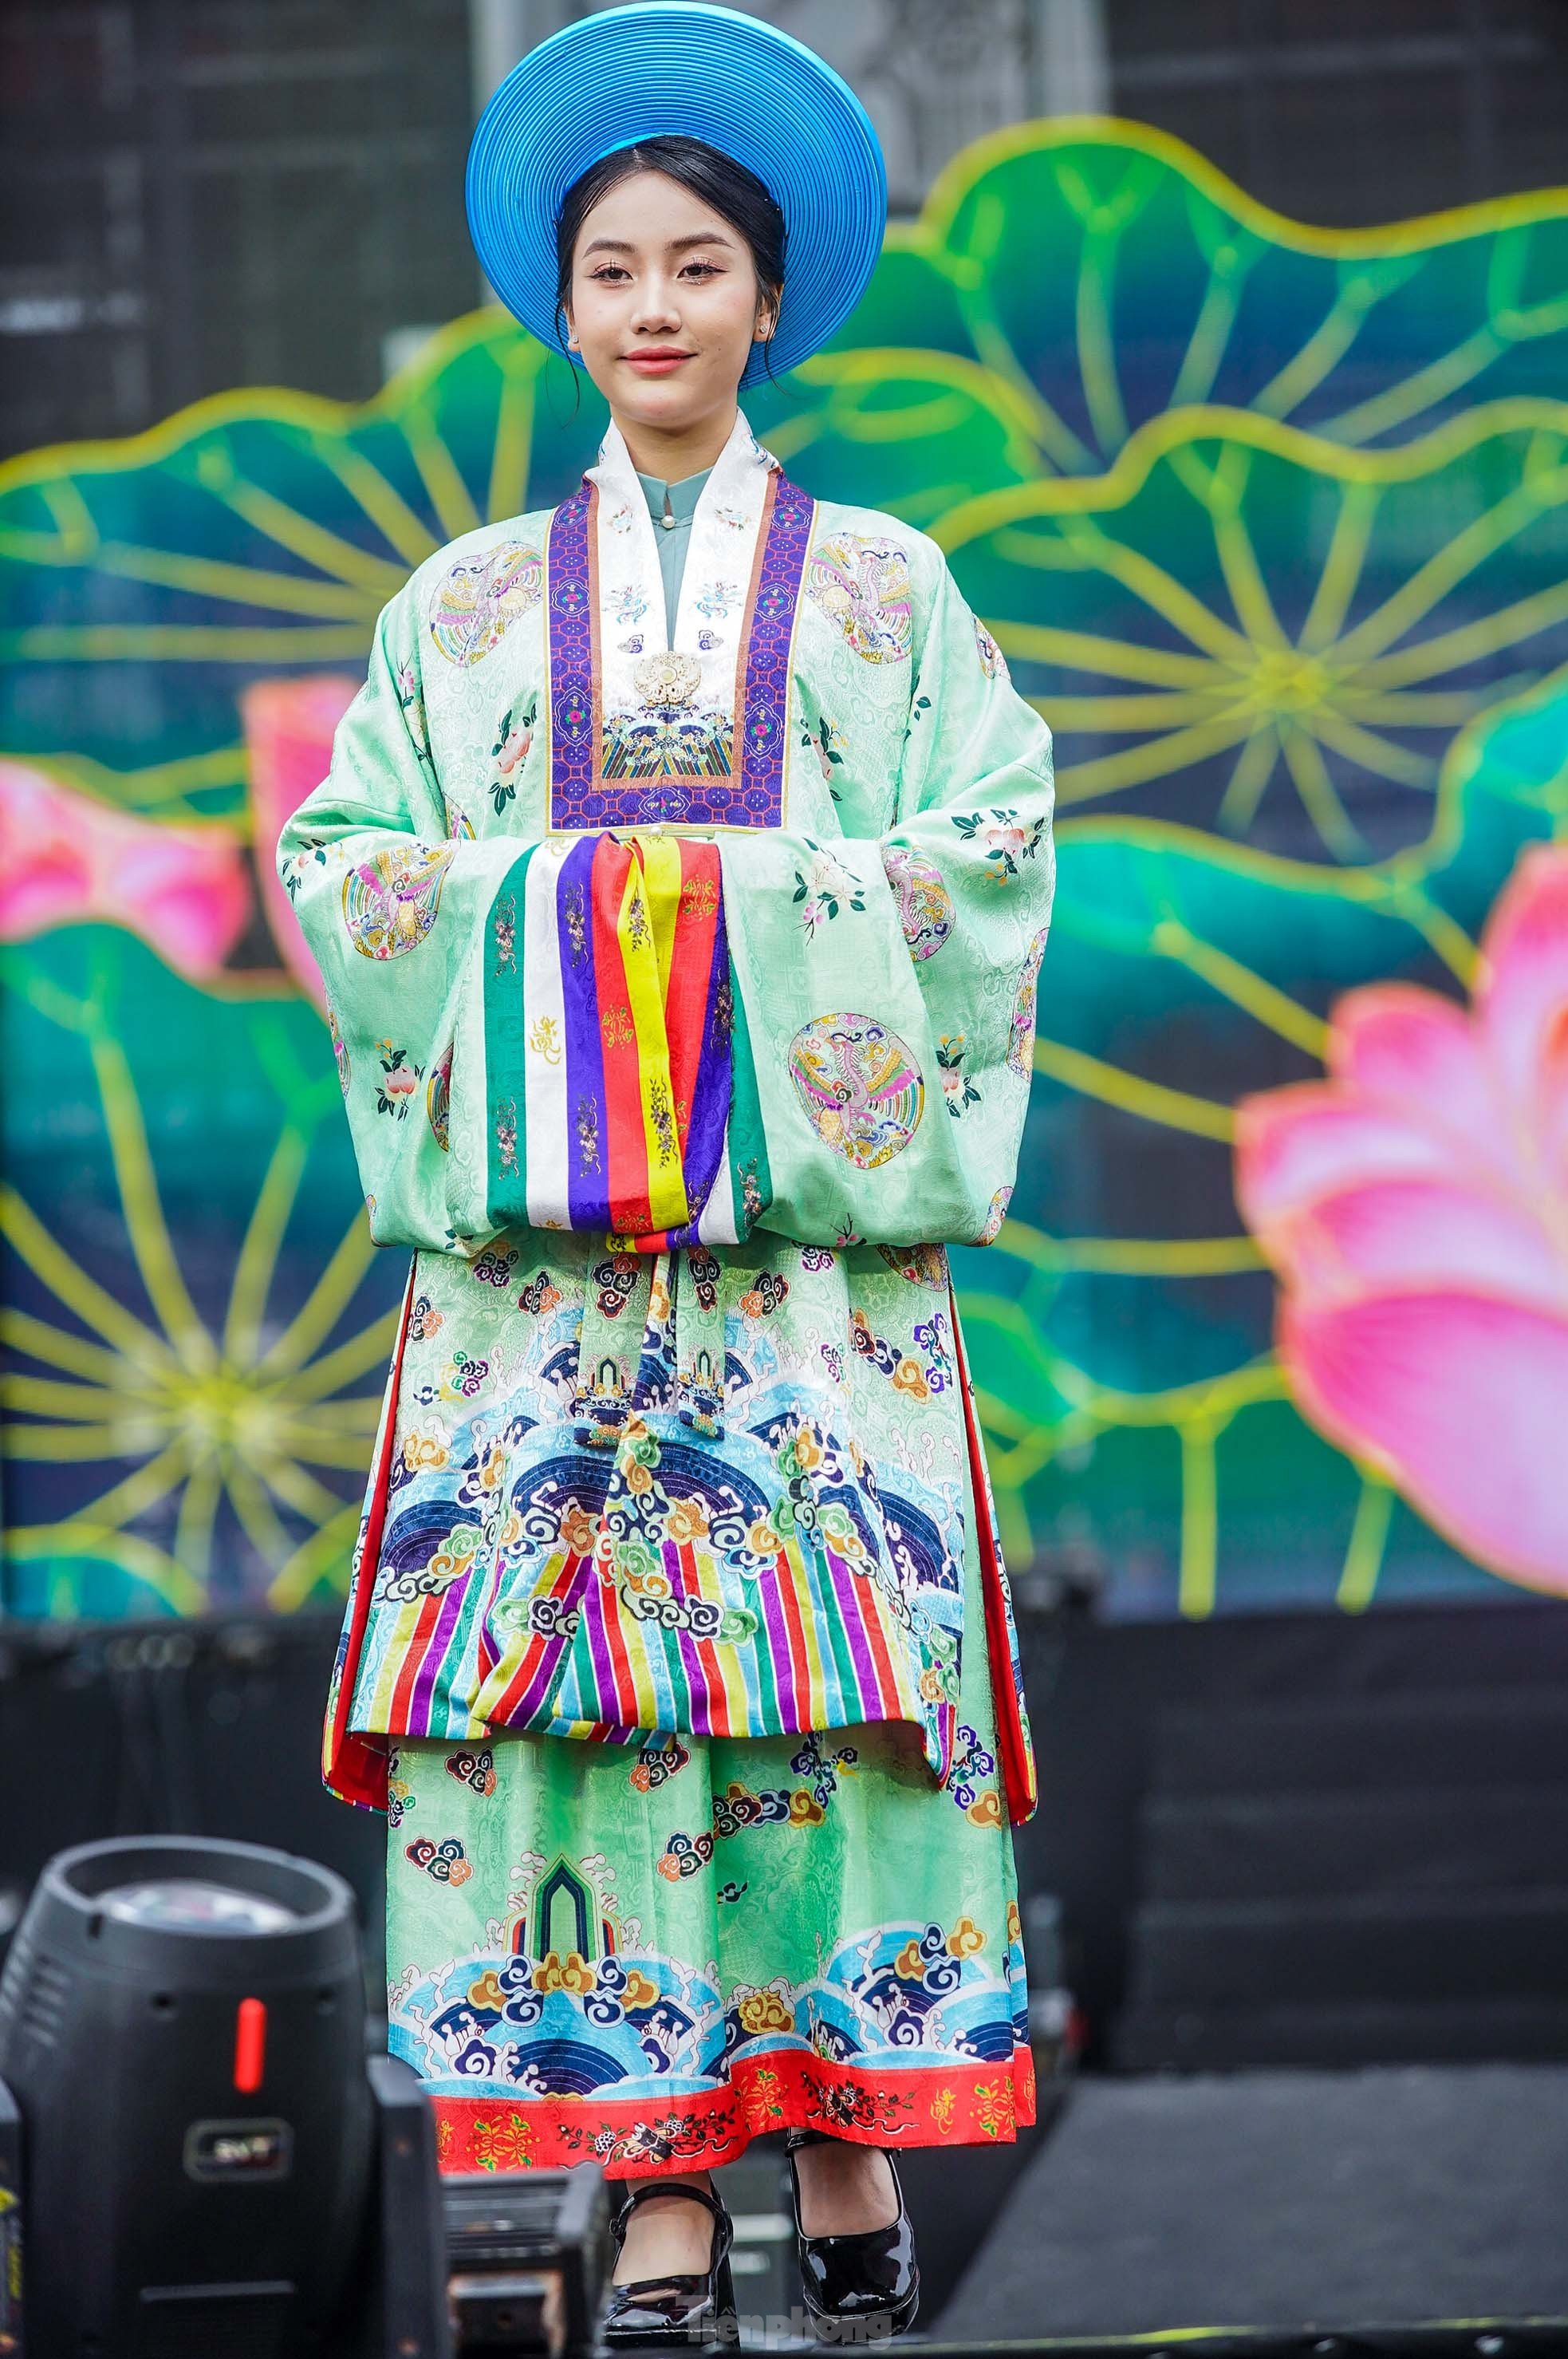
960	2102
1012	1731
354	1763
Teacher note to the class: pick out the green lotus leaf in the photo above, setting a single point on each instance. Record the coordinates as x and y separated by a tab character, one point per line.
1504	785
913	431
197	1342
1248	628
1111	273
1179	974
913	301
1218	1505
1136	1420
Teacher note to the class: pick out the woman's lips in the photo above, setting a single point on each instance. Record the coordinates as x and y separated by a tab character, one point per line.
656	364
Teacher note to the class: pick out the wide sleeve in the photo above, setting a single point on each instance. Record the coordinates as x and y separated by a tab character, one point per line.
527	1034
885	987
395	915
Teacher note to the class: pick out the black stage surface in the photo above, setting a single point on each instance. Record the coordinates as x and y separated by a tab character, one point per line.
1284	2199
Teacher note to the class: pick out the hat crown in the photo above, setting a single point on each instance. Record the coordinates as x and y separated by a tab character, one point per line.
680	66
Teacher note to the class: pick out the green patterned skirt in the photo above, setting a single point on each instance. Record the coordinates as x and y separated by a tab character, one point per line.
646	1958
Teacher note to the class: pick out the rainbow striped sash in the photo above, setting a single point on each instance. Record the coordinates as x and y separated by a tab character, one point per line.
622	1092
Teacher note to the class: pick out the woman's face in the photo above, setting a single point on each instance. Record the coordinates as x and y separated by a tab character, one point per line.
657	272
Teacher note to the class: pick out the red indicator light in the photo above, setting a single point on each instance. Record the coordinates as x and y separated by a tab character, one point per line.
250	2046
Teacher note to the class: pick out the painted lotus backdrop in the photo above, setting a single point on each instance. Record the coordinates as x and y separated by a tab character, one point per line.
1272	522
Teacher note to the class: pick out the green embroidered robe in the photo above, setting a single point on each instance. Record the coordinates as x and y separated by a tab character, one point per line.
683	999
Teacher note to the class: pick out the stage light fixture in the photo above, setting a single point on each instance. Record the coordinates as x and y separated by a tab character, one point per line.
210	2164
527	2257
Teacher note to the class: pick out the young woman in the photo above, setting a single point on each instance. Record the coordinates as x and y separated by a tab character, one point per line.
680	885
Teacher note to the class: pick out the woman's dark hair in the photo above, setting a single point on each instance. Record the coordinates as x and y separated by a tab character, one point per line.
732	189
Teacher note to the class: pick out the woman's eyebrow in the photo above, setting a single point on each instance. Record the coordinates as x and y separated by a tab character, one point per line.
675	246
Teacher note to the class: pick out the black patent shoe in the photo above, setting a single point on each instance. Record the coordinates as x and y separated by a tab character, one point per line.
681	2310
867	2284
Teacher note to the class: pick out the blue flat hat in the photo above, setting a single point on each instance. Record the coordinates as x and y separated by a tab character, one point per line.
626	74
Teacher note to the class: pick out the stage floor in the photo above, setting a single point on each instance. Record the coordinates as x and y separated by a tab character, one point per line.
1281	2198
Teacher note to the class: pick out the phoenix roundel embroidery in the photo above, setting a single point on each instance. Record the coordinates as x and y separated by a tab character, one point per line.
439	1099
390	902
922	1265
924	904
992	660
995	1216
339	1050
478	600
1021	1042
863	586
860	1086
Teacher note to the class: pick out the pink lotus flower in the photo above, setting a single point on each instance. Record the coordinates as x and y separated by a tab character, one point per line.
288	726
70	860
1415	1206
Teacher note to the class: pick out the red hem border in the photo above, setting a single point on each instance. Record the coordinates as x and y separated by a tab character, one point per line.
972	2104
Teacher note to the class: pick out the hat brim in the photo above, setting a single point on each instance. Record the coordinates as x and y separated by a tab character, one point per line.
679	66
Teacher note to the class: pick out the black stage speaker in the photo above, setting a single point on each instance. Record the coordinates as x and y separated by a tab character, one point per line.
205	2158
